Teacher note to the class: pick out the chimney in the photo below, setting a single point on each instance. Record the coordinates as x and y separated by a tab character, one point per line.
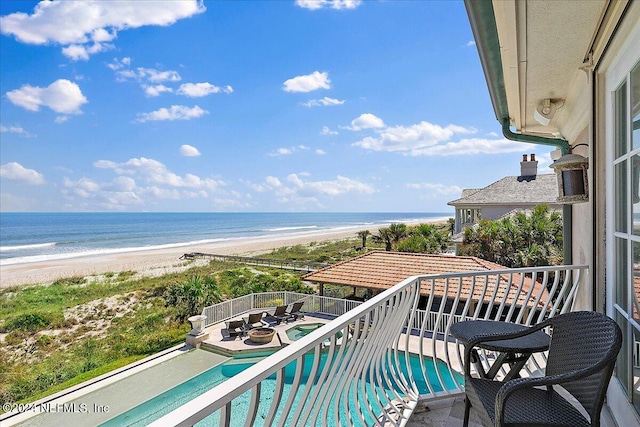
528	167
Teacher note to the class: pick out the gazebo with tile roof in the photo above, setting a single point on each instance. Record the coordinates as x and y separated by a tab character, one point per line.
380	270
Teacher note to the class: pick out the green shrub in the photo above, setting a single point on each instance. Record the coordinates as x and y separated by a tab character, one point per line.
27	322
16	337
191	296
45	341
74	280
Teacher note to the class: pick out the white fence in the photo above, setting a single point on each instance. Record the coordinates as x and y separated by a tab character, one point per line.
356	370
268	300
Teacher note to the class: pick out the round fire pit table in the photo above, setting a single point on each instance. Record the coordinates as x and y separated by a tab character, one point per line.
261	335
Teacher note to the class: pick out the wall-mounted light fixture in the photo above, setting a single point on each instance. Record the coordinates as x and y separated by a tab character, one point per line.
573	185
545	112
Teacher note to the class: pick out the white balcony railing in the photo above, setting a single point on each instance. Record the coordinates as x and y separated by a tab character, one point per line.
357	370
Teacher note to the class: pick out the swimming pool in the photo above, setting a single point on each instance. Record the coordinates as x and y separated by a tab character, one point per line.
172	399
297	332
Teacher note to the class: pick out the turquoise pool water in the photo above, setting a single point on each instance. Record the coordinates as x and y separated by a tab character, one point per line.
300	331
172	399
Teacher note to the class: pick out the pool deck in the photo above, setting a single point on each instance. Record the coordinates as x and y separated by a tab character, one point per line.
218	343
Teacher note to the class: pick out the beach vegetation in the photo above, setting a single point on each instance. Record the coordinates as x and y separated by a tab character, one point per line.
384	237
189	297
519	240
363	235
398	231
242	281
27	322
424	238
74	280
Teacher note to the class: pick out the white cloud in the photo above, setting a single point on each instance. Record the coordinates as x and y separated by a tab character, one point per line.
273	181
326	131
155	90
195	90
297	189
85	27
436	189
308	83
366	121
61	119
62	96
324	102
15	129
281	152
287	151
176	112
472	146
118	64
471	43
78	52
16	172
320	152
149	74
189	151
338	186
412	138
326	4
140	181
155	172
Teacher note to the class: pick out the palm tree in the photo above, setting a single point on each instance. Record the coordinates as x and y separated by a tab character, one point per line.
398	232
520	240
363	235
383	236
191	296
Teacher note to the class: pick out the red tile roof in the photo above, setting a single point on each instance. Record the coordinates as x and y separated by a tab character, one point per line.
382	270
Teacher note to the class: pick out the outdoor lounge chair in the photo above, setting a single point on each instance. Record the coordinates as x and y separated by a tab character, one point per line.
235	329
582	353
253	321
275	318
295	312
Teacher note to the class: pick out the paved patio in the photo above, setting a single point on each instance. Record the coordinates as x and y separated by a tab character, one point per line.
243	345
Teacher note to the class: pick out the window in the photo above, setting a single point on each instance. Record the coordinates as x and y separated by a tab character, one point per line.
626	229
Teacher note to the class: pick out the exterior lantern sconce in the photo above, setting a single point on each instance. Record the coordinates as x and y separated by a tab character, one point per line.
573	185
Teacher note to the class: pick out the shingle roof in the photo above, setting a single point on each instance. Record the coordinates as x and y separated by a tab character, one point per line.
382	270
528	190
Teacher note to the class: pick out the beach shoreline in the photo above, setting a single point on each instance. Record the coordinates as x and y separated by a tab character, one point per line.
156	262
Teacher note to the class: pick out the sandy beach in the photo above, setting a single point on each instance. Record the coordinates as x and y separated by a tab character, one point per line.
156	262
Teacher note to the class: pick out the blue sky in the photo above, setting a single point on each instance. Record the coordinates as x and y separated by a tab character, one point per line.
334	105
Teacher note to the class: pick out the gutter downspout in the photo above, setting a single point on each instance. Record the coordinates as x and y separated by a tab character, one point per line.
483	25
567	210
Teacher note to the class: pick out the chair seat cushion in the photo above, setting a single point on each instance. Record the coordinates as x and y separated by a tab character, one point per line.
525	407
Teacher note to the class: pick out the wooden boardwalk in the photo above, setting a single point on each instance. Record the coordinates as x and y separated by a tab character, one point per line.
265	262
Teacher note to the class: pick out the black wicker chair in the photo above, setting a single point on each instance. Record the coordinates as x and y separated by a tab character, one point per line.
583	350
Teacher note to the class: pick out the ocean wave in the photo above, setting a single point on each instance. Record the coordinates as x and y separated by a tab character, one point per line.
27	247
103	251
300	227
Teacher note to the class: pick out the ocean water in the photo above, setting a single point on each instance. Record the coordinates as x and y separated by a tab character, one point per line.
32	237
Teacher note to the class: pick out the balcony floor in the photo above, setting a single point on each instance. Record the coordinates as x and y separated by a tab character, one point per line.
449	412
442	413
